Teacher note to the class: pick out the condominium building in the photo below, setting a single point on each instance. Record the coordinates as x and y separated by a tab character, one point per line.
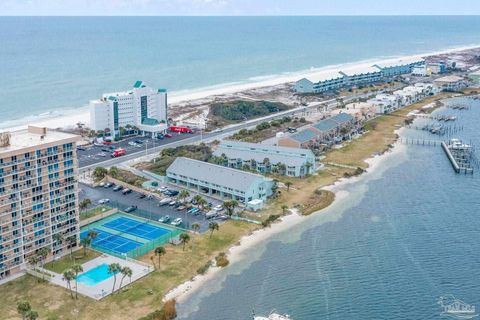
323	133
398	67
38	195
218	181
142	108
292	162
328	81
450	83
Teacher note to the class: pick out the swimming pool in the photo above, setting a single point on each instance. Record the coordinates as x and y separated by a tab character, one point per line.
94	276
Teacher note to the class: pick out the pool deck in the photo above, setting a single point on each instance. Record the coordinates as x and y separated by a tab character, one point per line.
104	288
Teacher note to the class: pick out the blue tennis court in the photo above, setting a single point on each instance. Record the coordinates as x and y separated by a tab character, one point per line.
111	242
136	228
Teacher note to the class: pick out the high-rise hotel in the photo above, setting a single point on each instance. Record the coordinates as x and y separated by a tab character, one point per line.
142	107
38	195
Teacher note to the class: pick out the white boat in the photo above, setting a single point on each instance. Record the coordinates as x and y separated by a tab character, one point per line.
272	316
457	144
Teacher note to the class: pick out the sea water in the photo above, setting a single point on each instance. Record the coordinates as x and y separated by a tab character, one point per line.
50	66
398	239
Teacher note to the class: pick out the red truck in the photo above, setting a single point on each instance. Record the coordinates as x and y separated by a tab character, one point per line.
180	129
118	152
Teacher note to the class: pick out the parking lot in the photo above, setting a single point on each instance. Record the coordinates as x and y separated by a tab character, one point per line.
97	153
146	208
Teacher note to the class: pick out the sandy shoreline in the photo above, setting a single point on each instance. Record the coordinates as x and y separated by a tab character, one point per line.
208	94
247	242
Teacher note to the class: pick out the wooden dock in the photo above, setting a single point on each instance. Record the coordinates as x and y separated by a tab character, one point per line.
459	158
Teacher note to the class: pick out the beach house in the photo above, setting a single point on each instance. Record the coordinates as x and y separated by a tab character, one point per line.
218	181
287	161
322	82
450	83
362	76
398	67
142	108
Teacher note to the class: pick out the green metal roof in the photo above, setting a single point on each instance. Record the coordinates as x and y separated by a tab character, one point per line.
342	118
303	136
325	125
112	98
150	122
162	90
137	84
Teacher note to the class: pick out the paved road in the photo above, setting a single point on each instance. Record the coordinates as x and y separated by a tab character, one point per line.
146	208
183	139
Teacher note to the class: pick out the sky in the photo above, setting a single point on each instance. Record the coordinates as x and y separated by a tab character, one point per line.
238	7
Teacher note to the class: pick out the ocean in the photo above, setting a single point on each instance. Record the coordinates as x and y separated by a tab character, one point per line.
52	66
401	237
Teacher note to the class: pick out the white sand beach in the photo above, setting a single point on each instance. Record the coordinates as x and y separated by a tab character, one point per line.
209	93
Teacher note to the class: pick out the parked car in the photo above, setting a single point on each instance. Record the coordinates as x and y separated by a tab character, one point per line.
172	203
108	185
117	188
181	208
101	184
218	208
193	211
162	189
167	135
142	195
177	222
138	141
103	201
164	219
81	149
131	209
127	191
164	202
211	214
150	196
105	150
171	192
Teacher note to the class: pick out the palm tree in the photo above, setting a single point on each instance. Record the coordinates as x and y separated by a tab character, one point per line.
72	240
202	203
69	275
183	195
23	308
197	198
114	268
58	237
195	227
33	261
160	251
288	184
230	206
92	234
43	254
85	243
126	272
266	162
284	208
77	268
184	239
212	226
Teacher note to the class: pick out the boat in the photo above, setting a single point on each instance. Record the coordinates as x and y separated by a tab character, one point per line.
272	316
456	144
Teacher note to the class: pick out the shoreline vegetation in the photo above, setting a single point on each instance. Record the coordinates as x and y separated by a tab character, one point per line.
173	278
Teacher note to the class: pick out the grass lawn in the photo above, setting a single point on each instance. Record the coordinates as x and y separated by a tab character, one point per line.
93	212
177	266
66	262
